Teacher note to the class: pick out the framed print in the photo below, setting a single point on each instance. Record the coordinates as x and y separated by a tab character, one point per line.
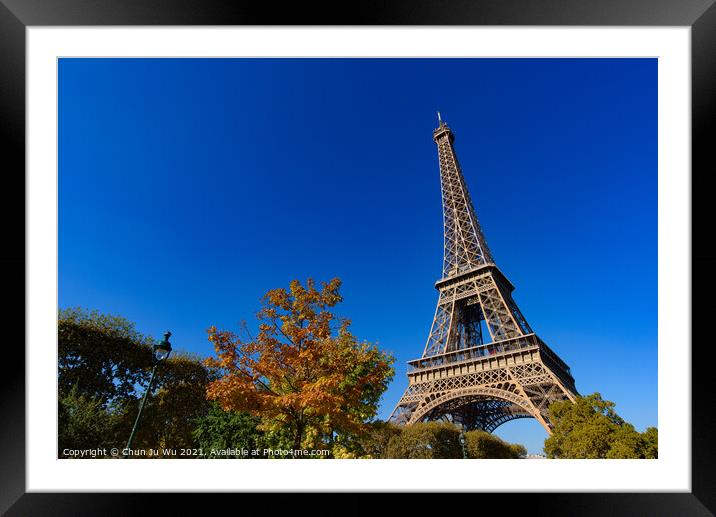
235	218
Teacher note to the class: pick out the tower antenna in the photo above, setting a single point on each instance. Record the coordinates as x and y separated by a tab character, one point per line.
440	120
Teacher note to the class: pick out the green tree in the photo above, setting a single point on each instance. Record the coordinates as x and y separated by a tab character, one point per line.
220	429
483	445
625	443
101	356
83	423
426	440
518	450
650	443
177	400
372	443
103	369
591	428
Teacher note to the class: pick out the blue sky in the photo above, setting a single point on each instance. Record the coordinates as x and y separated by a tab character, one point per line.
189	187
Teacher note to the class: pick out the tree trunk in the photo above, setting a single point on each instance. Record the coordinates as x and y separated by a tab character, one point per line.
297	438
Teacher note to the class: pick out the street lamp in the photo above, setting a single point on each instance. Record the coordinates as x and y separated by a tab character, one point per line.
160	352
163	349
462	441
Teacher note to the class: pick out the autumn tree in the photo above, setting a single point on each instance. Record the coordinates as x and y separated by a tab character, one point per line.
304	372
591	428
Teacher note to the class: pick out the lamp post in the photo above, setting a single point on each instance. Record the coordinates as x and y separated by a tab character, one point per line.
159	352
462	441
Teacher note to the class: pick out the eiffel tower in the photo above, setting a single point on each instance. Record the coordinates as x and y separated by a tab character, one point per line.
464	376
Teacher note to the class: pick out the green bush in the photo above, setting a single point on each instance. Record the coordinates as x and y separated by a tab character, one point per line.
426	440
374	443
221	430
483	445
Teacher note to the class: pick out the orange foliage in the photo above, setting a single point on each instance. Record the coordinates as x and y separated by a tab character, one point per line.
304	371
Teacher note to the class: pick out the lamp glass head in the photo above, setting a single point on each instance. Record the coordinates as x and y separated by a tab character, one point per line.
163	349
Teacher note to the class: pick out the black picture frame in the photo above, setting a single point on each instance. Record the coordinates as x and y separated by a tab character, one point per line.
17	15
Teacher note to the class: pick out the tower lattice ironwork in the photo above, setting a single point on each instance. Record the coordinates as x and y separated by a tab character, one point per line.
465	376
